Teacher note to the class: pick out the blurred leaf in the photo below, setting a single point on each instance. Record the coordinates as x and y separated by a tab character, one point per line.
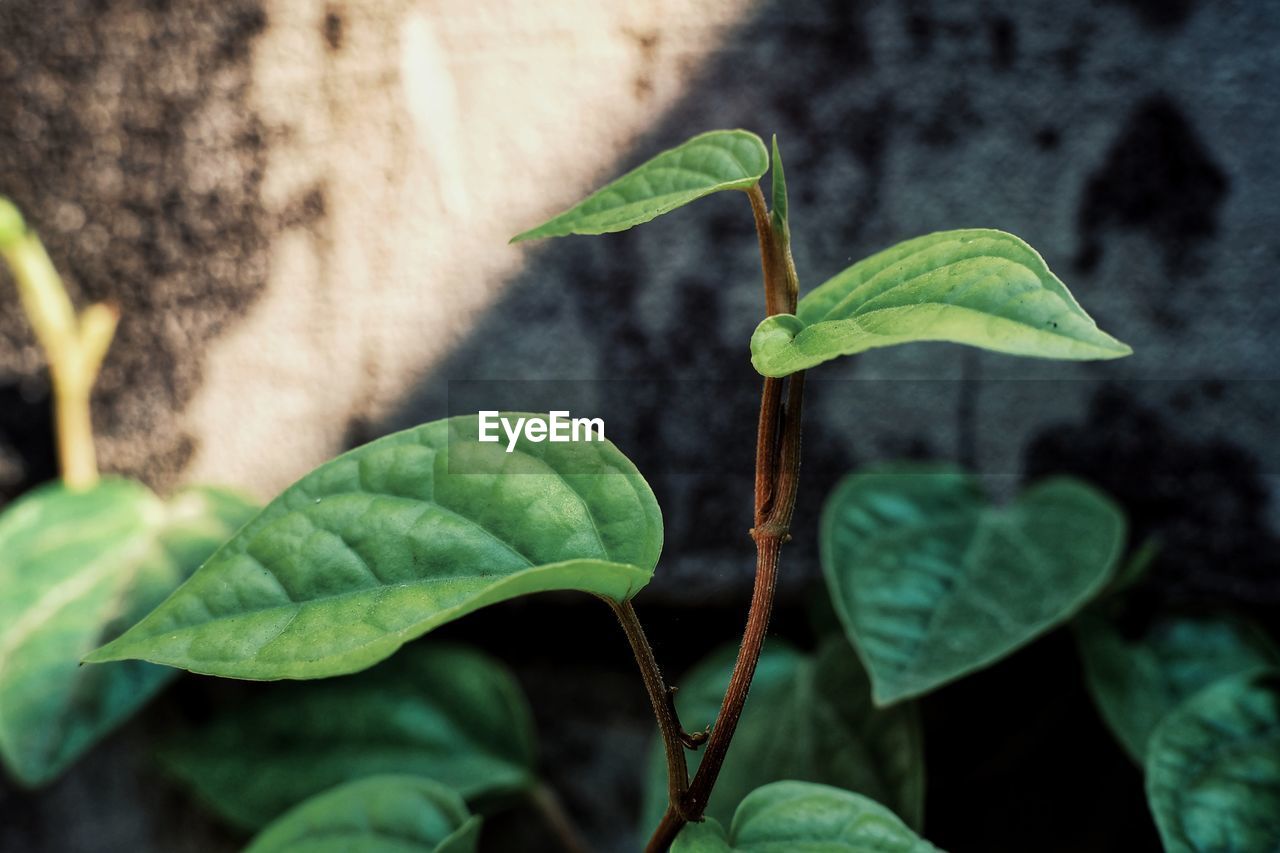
808	718
976	286
1134	570
707	163
1213	768
76	568
789	817
931	582
381	814
1137	681
442	712
397	537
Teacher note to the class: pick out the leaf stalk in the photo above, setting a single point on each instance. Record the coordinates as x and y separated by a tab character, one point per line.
662	697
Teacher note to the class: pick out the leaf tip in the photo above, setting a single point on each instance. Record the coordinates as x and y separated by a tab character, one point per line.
99	655
107	652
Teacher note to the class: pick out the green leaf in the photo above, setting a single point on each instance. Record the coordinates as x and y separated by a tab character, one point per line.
706	164
397	537
977	286
779	213
382	814
833	733
1136	681
76	568
932	583
441	712
790	817
1213	768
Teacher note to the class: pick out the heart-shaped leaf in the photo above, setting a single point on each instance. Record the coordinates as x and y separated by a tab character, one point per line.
977	286
382	814
1137	680
802	816
442	712
834	735
1213	768
397	537
932	583
76	568
707	163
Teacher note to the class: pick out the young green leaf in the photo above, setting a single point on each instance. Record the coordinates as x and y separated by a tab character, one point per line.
932	583
977	286
781	223
381	814
1137	681
707	163
394	538
795	816
834	734
1213	768
441	712
77	568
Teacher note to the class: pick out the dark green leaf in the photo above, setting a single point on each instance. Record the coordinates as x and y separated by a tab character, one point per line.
1138	680
382	814
979	286
833	733
438	711
707	163
790	817
399	536
76	568
1213	768
932	583
1134	569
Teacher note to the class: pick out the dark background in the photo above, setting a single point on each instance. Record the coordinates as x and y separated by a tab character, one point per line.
1132	142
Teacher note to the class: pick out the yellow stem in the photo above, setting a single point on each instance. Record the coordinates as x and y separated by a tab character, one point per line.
74	346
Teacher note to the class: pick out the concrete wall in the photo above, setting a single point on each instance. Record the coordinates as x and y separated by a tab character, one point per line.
302	209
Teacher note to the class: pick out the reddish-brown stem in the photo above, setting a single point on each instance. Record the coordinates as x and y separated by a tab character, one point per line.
662	699
777	477
777	297
767	445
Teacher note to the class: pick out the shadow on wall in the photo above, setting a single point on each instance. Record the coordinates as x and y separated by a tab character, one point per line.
126	134
1079	129
895	120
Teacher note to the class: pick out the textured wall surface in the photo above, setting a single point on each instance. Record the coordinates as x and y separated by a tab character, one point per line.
302	209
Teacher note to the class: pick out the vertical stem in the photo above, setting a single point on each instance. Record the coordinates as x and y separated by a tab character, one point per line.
74	346
771	257
77	459
769	533
660	696
777	477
